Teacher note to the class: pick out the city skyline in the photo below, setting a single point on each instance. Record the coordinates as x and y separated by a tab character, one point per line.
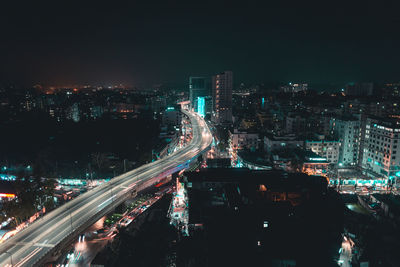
200	134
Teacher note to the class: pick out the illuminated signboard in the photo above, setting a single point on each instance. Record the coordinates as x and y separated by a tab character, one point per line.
7	195
201	103
317	159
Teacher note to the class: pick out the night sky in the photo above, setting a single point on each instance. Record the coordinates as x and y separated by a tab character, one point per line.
145	43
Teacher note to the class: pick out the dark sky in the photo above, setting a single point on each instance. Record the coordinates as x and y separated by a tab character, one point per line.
143	43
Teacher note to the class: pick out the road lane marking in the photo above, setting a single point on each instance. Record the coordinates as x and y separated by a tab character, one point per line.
28	257
35	244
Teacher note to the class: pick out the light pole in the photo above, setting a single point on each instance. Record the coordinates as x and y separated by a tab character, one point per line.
10	258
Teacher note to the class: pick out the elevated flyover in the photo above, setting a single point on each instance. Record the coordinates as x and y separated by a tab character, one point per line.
33	245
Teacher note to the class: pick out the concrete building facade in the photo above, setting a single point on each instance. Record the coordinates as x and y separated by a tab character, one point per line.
326	148
381	154
243	140
348	132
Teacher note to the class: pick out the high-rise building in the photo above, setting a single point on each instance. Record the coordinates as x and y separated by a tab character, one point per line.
197	88
222	97
381	155
208	106
348	132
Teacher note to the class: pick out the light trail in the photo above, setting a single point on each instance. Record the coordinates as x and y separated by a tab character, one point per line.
25	247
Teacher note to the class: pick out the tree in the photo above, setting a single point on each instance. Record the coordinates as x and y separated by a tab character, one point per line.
47	194
33	193
296	165
23	206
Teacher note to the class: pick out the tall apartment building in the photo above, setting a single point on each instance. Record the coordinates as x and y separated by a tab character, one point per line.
197	88
222	97
348	132
381	154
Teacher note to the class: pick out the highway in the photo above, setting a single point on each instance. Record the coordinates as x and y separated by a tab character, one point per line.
30	245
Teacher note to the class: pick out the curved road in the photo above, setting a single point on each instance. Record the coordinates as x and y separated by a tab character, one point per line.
30	245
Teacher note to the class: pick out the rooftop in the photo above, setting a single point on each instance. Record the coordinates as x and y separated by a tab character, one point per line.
273	179
273	214
287	137
393	201
255	158
393	123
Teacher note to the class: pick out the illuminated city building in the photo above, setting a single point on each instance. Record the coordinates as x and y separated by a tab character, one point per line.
328	149
243	140
310	163
197	88
315	166
222	97
348	132
381	155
